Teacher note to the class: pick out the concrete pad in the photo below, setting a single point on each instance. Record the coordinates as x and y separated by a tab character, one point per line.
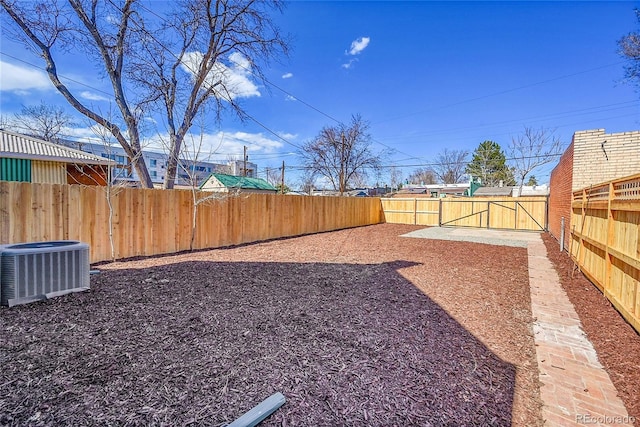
477	235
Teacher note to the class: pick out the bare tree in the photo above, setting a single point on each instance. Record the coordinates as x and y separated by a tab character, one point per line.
228	168
214	41
44	121
342	154
629	48
46	25
449	166
395	177
307	182
423	176
274	176
359	180
111	188
178	64
5	123
191	153
532	149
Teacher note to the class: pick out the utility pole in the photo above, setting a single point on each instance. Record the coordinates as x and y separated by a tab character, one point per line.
342	171
282	179
244	157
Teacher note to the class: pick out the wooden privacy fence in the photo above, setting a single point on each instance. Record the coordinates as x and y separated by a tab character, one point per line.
605	241
150	222
512	213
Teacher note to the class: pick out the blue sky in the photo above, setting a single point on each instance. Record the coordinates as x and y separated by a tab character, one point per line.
425	75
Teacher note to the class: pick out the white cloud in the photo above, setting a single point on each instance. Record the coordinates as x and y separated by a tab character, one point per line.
94	133
216	147
288	136
358	45
349	64
112	19
80	132
290	98
15	78
287	75
92	96
234	142
234	78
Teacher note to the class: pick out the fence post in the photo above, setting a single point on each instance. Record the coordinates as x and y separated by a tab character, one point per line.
585	199
439	212
415	211
561	234
546	213
606	286
488	215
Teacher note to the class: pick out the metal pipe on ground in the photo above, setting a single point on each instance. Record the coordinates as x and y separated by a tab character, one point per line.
259	412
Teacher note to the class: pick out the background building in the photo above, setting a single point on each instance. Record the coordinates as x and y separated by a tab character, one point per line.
28	159
190	173
224	183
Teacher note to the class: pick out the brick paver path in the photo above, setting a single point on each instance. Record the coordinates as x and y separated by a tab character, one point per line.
575	389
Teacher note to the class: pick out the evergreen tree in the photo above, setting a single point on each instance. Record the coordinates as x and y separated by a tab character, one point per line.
489	165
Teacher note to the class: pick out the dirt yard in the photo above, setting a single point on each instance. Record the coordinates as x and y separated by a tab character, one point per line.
355	327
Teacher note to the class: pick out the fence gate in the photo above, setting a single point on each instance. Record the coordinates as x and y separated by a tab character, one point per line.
504	214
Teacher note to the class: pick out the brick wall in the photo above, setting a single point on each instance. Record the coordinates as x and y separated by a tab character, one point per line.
592	158
560	186
599	157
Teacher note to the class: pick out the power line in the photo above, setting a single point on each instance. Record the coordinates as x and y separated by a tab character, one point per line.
269	130
509	134
446	106
260	77
263	78
500	92
99	141
59	75
460	163
564	114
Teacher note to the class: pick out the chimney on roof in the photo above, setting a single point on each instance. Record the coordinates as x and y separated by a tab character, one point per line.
501	184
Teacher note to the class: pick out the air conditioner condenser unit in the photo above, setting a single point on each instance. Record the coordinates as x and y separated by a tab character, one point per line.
41	270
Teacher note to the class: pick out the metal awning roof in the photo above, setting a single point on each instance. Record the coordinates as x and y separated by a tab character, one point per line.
17	146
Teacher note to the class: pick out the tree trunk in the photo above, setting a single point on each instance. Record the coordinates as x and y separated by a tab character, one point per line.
175	146
172	169
143	173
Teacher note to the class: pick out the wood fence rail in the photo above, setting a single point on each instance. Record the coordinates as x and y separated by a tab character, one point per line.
605	241
151	222
506	213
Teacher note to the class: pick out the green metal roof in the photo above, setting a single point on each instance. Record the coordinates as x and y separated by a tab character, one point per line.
242	182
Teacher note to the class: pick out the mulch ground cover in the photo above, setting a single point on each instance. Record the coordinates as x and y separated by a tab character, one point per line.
355	327
615	341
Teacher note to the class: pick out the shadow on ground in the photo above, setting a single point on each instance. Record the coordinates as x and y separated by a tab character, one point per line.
203	342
